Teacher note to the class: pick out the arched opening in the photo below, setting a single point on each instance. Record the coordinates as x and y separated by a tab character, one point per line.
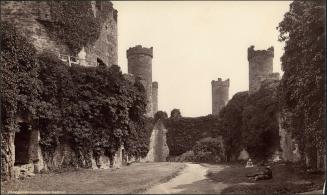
22	144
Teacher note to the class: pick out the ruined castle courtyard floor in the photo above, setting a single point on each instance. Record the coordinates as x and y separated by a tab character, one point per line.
168	178
129	179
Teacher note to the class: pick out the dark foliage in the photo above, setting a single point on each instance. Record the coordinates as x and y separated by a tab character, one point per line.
183	132
231	124
91	108
302	89
70	18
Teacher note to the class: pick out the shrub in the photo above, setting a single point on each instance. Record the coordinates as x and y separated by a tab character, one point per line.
208	150
183	132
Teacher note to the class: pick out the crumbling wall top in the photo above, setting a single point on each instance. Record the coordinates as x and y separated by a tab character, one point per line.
220	83
155	84
267	53
138	49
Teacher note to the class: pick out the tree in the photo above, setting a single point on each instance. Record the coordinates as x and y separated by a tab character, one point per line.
231	124
160	115
302	88
175	114
183	132
208	150
260	129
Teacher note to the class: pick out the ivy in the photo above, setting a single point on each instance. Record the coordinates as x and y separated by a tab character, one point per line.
302	89
70	18
250	121
20	86
20	89
93	108
90	108
184	132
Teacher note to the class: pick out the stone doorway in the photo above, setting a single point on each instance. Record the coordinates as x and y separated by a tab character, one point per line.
22	144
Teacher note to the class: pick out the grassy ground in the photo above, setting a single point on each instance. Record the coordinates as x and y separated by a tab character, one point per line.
130	179
287	178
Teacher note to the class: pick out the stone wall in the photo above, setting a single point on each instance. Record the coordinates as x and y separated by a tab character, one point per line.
290	149
154	97
140	65
103	161
220	95
28	15
35	161
63	157
260	66
158	148
25	15
106	47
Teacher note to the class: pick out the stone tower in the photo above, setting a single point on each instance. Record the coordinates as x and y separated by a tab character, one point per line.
154	97
220	95
260	66
140	65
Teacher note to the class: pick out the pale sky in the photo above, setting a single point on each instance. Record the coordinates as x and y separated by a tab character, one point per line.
195	42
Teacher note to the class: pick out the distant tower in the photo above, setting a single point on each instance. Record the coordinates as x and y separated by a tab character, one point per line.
154	97
260	66
140	65
220	95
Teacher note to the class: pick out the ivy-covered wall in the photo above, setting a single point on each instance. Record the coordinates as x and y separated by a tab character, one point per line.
67	27
92	109
184	132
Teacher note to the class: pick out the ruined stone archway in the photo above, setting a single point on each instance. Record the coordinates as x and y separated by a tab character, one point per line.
22	144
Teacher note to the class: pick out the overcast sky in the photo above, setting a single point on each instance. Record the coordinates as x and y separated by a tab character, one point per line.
196	42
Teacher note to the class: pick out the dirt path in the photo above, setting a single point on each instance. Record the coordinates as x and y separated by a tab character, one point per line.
192	180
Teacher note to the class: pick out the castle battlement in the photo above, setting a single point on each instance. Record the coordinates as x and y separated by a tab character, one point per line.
139	60
260	66
220	94
220	83
137	50
155	84
260	53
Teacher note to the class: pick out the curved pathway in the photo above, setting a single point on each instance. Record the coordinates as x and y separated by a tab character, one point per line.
191	180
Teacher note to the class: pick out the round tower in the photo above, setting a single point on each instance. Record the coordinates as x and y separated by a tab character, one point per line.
220	95
140	65
260	66
154	97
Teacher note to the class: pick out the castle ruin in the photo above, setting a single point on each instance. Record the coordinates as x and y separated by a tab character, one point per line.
29	18
140	65
260	67
220	95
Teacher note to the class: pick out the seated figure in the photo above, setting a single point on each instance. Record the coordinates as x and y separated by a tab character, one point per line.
249	163
265	174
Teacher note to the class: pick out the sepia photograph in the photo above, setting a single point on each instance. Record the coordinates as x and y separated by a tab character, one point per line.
163	97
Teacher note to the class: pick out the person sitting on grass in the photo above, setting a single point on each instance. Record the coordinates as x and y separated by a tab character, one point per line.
265	174
249	163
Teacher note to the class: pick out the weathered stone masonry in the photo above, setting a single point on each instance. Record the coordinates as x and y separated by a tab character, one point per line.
220	95
140	65
27	17
154	97
260	67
